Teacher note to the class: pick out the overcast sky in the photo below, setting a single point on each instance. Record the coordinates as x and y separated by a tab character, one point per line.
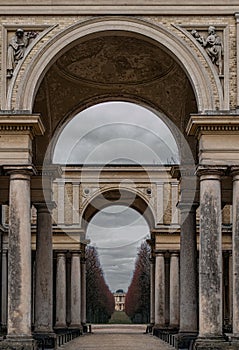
116	132
117	232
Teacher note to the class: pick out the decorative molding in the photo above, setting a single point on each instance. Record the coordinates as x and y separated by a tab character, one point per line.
199	124
205	172
153	7
14	122
174	43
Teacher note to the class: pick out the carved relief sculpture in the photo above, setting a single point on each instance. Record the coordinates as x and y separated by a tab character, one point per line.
213	46
16	49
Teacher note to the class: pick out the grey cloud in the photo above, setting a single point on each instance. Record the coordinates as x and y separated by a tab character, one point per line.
96	126
119	258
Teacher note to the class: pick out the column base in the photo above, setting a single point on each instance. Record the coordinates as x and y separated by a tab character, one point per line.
185	340
84	328
18	343
212	343
76	328
45	340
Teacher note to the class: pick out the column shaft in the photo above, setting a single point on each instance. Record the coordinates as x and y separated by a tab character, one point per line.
210	261
83	292
159	290
43	271
188	270
235	255
19	257
152	291
230	290
61	291
4	284
174	291
75	291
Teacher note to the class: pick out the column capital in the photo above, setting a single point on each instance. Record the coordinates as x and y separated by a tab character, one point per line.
19	170
75	253
61	254
4	251
234	171
210	172
175	254
159	253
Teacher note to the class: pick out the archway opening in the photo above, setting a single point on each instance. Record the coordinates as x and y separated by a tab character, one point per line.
116	133
117	233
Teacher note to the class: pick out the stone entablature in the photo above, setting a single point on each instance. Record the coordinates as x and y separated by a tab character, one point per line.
120	7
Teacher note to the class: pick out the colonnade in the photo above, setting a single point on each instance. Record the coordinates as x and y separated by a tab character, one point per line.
203	283
27	288
188	293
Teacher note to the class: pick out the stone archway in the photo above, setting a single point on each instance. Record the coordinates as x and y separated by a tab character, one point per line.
50	87
57	46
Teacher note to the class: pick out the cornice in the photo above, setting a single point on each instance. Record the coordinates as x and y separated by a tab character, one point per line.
215	123
22	123
120	7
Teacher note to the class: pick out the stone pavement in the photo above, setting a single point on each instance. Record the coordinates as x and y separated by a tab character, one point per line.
117	337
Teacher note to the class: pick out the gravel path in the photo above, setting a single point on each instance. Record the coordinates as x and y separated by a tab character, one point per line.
117	337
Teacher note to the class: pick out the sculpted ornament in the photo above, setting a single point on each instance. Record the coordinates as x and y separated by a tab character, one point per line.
213	46
16	49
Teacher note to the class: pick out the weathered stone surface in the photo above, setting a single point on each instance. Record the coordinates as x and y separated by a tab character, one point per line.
210	259
61	291
159	291
19	256
44	271
188	270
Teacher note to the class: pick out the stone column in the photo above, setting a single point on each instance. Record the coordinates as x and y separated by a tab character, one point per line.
44	271
188	271
19	261
210	259
159	291
152	291
83	291
75	291
174	290
235	253
230	289
61	291
4	291
237	51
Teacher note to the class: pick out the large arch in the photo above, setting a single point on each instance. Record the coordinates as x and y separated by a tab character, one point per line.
42	61
117	195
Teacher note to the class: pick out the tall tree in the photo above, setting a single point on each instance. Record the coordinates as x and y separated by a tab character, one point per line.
99	299
137	303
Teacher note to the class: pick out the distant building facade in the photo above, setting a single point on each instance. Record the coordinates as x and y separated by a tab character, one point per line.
119	296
